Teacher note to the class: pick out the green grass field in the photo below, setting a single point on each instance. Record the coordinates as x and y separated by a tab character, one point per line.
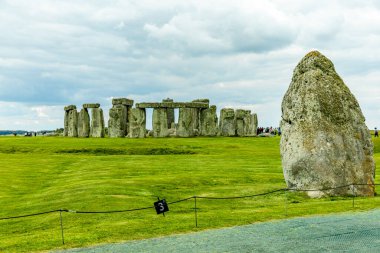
47	173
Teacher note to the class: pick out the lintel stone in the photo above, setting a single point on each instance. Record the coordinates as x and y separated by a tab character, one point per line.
173	105
122	101
70	107
96	105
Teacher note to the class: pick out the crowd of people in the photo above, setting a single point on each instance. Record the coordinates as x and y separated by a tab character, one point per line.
269	130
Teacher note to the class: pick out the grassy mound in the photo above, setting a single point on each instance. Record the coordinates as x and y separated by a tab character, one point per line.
42	174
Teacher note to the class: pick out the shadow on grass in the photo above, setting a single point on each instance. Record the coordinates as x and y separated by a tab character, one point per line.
135	151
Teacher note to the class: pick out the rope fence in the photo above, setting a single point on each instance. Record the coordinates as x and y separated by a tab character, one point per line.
285	190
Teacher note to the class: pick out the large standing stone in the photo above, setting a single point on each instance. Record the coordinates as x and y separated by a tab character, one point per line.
252	129
117	122
209	122
72	130
243	121
188	122
66	124
97	123
227	123
70	121
325	142
170	112
83	123
126	105
137	123
160	122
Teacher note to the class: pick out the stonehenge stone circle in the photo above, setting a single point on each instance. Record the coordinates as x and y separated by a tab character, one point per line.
196	118
137	122
325	142
227	123
209	122
97	123
83	123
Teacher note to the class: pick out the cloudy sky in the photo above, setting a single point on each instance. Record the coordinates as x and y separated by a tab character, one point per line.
239	54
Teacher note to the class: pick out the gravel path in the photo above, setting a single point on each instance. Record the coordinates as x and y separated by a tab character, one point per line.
352	232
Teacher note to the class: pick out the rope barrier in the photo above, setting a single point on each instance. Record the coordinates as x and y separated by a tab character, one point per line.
29	215
182	200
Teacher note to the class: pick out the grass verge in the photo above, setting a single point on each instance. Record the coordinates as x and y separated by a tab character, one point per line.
41	174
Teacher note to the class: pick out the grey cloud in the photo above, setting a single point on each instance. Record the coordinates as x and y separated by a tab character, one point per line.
70	52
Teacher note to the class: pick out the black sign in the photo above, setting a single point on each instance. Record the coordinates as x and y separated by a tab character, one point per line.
161	206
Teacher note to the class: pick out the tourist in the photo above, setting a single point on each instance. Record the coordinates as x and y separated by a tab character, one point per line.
376	132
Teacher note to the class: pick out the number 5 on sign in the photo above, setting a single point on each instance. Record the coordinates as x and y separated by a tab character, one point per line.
161	206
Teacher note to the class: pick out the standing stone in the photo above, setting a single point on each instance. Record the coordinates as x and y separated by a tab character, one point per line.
70	121
252	129
97	123
128	112
170	112
243	120
67	121
137	123
160	122
325	142
72	130
83	123
227	123
187	122
66	124
126	105
197	113
209	122
116	122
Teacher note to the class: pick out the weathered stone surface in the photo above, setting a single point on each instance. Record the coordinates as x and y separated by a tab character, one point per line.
117	122
66	123
227	123
170	112
202	100
72	123
209	122
122	101
252	129
86	106
188	122
160	122
137	123
127	112
70	107
243	121
83	123
325	142
173	105
97	123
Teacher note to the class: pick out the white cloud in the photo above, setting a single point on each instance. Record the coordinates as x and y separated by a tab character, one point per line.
238	54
